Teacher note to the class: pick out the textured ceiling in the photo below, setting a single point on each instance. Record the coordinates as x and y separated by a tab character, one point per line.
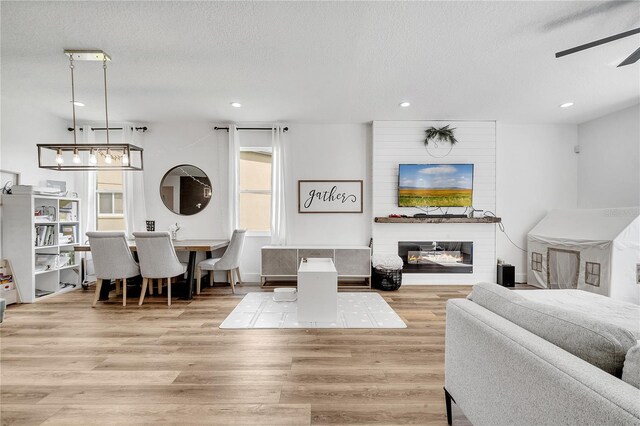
322	61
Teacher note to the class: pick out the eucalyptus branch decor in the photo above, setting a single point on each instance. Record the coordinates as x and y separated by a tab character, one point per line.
443	134
440	135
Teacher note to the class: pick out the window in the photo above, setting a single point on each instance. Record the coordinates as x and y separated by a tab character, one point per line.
109	203
255	189
592	274
109	198
536	262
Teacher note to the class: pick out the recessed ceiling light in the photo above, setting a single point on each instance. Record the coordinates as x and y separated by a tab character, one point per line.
405	104
566	105
76	103
236	104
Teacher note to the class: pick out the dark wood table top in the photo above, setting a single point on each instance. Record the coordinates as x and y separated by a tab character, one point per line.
179	245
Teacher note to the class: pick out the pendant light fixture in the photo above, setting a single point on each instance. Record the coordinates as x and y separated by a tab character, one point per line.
75	156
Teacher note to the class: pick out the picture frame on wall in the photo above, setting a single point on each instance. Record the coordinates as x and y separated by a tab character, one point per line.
330	196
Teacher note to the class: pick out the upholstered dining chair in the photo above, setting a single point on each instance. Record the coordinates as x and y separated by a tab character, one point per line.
230	261
112	260
158	259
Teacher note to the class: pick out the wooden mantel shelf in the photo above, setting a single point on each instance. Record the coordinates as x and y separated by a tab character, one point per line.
488	219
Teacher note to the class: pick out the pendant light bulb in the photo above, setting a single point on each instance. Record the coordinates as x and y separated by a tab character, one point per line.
125	158
59	158
107	158
93	160
76	157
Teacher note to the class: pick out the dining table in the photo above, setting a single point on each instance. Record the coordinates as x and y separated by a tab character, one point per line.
191	246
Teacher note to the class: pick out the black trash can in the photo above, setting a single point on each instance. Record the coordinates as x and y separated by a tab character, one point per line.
386	279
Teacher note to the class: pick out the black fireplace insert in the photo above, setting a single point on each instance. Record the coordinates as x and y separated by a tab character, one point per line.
436	257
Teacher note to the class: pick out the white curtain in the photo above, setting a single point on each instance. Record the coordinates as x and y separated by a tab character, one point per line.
234	186
87	193
278	195
135	212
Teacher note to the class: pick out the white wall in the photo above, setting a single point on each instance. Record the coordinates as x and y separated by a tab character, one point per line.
402	142
328	151
536	172
22	128
609	160
167	145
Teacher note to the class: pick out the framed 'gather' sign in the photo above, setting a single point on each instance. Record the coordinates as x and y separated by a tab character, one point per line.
330	196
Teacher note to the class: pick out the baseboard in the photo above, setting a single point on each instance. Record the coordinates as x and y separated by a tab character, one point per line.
436	284
250	276
521	278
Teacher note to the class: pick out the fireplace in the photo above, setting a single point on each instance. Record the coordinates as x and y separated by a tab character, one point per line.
436	257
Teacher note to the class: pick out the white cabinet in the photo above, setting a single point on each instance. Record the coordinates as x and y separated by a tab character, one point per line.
38	237
317	291
279	264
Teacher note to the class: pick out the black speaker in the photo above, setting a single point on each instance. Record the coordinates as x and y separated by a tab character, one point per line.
507	275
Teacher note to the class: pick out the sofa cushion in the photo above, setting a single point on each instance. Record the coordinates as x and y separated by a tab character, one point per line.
631	370
602	344
616	312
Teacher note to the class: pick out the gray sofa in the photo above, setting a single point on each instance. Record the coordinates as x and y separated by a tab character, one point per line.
500	373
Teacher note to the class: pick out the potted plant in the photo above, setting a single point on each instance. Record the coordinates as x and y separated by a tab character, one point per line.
442	134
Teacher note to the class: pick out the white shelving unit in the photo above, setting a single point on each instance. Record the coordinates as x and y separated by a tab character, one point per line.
40	248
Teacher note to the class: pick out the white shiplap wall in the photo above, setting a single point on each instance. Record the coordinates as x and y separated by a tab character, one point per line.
402	142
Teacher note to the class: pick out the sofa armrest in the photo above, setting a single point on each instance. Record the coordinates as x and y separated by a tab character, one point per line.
501	374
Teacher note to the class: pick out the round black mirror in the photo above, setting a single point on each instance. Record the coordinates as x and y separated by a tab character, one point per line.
185	190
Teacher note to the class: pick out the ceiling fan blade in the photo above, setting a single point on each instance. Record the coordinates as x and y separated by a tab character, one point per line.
632	59
597	42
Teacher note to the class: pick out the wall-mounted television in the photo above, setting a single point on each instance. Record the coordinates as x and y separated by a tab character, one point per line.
435	185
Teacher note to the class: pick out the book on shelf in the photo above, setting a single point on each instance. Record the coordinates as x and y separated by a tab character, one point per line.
68	234
68	212
6	282
64	259
68	216
40	293
46	262
45	235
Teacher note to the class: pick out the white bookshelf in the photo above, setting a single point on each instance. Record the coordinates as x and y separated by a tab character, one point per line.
43	260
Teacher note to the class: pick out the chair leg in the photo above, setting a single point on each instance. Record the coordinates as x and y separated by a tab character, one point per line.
211	278
159	286
230	275
169	291
198	278
150	286
118	292
238	275
98	287
124	292
145	282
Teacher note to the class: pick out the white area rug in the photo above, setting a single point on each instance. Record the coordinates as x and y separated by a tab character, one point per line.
355	310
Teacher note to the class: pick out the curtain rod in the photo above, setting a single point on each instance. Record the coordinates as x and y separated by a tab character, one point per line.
284	129
138	129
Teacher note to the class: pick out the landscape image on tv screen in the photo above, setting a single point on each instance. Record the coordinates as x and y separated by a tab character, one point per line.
435	185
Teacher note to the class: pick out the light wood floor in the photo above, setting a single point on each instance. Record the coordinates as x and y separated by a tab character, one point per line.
63	362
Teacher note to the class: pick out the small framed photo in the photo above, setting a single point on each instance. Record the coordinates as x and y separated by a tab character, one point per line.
330	196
